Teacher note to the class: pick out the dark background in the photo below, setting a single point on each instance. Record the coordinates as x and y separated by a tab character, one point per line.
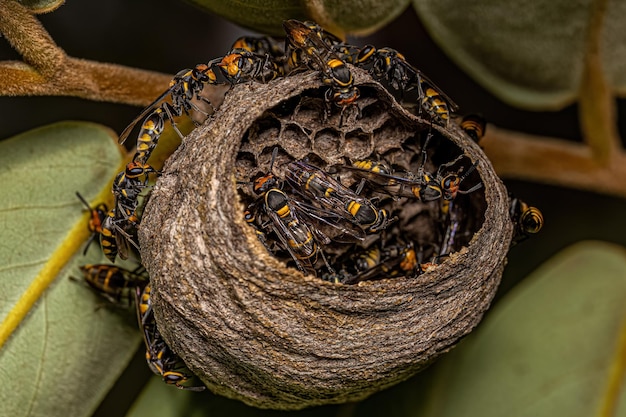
168	35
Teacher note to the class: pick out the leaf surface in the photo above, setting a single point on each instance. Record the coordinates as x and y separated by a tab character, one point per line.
340	17
554	346
41	6
59	352
531	54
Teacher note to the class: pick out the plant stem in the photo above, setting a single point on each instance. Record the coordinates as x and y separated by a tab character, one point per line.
554	161
47	70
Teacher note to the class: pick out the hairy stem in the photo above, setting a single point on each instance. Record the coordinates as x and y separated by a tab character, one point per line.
47	70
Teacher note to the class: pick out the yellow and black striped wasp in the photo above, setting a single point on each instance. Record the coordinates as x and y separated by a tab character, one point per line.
317	50
301	228
388	262
114	283
240	65
286	220
185	87
116	235
97	216
474	125
390	65
260	45
127	187
108	233
128	184
378	262
161	359
321	188
306	36
421	184
382	178
295	235
527	220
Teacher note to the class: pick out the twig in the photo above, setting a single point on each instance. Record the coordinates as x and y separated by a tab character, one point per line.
554	161
47	70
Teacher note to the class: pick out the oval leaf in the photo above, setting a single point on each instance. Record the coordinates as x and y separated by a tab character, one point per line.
159	399
41	6
554	346
354	17
259	15
529	54
341	18
55	341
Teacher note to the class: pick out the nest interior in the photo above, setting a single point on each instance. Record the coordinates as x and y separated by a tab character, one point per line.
252	327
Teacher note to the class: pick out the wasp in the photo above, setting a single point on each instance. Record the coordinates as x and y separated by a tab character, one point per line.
391	65
143	304
295	235
161	359
475	126
455	223
318	48
112	282
186	86
116	234
97	216
339	78
308	36
387	262
335	197
291	220
241	65
260	45
128	184
127	187
527	220
421	184
110	239
108	233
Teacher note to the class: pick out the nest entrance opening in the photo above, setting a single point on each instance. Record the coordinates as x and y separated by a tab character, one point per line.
305	128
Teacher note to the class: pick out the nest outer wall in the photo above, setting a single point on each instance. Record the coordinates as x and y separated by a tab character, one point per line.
252	328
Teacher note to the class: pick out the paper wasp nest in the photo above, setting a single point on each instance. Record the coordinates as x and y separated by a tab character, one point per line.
255	329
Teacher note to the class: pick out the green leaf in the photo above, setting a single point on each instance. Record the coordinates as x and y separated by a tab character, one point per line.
41	6
159	399
554	346
60	353
260	15
339	17
355	17
530	54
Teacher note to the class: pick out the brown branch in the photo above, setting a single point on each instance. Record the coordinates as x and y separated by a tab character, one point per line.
85	79
553	161
47	70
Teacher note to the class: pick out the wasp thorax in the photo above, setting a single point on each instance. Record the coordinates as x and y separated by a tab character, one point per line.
287	325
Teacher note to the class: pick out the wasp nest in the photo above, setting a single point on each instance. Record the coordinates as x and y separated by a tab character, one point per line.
254	328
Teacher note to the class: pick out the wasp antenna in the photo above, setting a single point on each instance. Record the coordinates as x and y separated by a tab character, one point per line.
81	198
469	171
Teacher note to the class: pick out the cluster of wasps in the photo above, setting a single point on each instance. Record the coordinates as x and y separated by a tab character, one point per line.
122	287
308	211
